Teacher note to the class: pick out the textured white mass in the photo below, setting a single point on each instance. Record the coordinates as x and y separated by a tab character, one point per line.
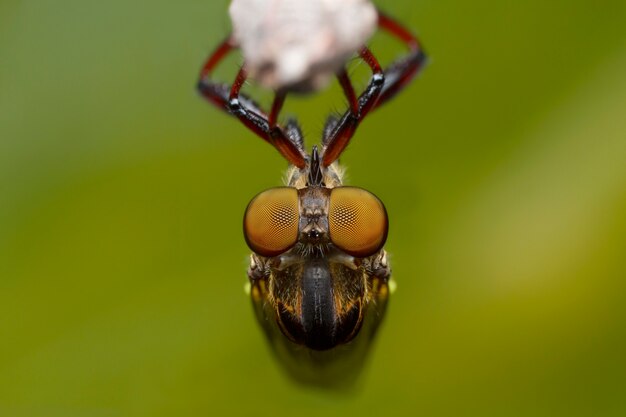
300	44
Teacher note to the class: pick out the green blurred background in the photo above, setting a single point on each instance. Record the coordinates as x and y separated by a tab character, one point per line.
122	263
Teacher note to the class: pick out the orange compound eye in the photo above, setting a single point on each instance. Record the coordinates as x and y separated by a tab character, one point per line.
357	221
270	224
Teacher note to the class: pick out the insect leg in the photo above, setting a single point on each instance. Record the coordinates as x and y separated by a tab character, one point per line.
403	70
348	90
265	127
339	137
257	269
380	266
216	93
245	109
382	87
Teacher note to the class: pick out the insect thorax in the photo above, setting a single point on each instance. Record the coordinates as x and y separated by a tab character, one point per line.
299	178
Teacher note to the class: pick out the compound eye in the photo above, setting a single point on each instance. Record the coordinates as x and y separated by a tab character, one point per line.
270	224
357	221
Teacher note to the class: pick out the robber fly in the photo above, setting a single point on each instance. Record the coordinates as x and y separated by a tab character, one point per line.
319	275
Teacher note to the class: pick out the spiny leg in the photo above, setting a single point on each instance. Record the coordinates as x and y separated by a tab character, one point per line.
245	109
264	126
214	92
403	70
344	129
382	87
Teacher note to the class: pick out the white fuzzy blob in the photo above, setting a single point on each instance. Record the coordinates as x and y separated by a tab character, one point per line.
300	44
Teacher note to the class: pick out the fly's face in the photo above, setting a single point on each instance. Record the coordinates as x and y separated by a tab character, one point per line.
318	266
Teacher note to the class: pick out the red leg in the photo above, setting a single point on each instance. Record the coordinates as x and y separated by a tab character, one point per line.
266	128
279	100
344	129
217	56
245	109
402	71
382	87
214	92
367	101
399	31
348	90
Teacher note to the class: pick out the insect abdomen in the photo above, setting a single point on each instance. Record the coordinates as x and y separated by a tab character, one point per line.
318	323
318	307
